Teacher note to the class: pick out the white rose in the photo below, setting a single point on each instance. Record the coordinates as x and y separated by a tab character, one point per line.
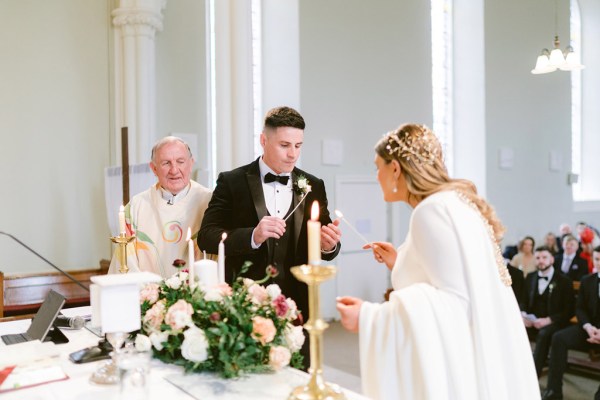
279	357
158	338
294	337
248	282
173	282
293	309
213	294
183	276
301	183
273	290
195	345
142	342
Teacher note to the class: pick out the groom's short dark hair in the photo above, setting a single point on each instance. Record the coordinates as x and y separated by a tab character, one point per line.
282	117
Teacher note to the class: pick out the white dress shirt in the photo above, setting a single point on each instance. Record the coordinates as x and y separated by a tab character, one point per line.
543	283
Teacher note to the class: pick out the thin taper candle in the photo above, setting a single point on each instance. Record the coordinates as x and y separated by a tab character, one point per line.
341	216
191	272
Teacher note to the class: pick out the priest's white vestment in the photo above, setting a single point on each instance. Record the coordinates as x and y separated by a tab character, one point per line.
451	329
160	229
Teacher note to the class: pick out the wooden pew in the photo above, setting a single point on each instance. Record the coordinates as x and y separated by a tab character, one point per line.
24	293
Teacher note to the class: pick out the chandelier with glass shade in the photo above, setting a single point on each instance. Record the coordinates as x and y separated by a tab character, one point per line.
550	61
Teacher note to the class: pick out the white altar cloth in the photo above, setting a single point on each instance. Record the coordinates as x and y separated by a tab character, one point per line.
78	386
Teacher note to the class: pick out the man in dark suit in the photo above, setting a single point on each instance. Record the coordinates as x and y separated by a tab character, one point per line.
569	262
548	304
518	281
256	206
583	336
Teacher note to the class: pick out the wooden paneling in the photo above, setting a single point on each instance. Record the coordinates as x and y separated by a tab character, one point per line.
24	293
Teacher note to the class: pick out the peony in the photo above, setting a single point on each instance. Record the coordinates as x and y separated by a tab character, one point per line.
281	306
158	338
258	294
216	293
292	309
179	314
173	282
149	293
248	282
273	290
154	317
294	337
279	357
142	342
195	345
263	329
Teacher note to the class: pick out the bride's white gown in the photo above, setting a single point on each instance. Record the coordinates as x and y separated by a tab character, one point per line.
451	329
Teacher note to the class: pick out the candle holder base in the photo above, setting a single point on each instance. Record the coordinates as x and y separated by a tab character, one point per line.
317	388
122	240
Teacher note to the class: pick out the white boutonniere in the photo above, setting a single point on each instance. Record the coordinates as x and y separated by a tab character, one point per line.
301	185
551	287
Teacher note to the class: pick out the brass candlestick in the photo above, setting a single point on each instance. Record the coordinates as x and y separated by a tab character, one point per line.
122	241
317	388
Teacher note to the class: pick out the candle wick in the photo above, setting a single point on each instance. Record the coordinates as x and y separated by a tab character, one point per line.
204	254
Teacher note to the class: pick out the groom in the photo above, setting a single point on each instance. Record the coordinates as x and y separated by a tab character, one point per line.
254	204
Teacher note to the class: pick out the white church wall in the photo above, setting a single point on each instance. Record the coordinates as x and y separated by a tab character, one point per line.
54	132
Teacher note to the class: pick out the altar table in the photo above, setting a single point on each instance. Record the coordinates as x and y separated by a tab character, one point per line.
162	377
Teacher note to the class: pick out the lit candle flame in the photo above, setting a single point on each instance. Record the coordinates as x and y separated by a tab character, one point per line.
223	237
314	211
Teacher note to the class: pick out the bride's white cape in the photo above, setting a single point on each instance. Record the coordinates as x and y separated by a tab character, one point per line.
451	329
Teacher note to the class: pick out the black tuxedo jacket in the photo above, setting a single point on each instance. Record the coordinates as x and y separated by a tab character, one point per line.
587	301
578	269
236	207
561	297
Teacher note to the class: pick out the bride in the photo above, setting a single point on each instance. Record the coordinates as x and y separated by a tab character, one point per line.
451	328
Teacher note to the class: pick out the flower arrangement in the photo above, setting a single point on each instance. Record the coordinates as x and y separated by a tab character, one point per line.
231	330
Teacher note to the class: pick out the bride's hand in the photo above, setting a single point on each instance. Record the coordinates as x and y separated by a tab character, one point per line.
349	309
383	252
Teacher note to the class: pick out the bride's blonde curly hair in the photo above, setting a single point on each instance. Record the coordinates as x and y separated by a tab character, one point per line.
419	153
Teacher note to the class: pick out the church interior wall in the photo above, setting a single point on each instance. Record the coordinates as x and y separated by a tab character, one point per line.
363	71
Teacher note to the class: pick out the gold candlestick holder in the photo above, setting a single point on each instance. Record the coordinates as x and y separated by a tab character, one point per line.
317	388
122	240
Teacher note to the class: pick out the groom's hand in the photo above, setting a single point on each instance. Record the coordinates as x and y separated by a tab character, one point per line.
330	235
268	227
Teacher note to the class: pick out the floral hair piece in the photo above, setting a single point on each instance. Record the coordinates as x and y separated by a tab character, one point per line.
421	146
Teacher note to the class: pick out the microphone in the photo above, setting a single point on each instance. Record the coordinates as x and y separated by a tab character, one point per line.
76	322
47	262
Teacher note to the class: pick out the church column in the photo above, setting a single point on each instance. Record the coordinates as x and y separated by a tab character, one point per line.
136	23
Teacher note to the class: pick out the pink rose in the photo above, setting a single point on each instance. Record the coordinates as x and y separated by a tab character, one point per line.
281	306
258	294
225	289
179	315
263	329
279	357
155	316
149	293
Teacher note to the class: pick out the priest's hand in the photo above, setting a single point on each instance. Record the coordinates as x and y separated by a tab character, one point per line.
383	252
349	309
268	227
330	235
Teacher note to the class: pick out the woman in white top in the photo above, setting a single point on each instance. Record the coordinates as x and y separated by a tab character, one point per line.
452	328
525	259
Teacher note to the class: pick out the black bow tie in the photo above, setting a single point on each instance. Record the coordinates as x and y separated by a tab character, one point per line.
283	179
543	277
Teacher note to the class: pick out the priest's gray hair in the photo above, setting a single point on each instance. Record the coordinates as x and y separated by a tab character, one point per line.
166	140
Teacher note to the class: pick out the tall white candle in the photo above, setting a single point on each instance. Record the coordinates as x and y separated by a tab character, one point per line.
313	228
221	259
122	230
191	274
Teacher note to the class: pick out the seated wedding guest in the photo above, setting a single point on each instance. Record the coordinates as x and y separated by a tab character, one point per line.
587	237
524	259
548	304
160	216
583	336
595	235
517	282
564	229
452	327
569	262
551	241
